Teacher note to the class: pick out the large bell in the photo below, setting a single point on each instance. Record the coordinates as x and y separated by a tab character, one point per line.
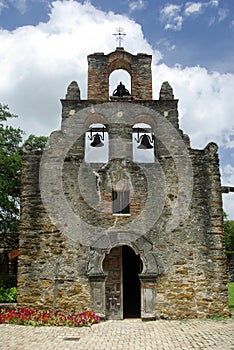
145	142
97	142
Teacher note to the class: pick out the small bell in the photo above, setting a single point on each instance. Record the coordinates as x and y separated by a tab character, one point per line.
97	142
145	142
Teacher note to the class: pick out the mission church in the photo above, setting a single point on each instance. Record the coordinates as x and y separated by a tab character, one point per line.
119	214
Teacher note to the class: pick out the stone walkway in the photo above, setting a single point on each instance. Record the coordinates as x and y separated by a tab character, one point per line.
124	335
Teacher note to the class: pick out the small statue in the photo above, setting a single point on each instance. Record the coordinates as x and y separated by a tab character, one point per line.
121	91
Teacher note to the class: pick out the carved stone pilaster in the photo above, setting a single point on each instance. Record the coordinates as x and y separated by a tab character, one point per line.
98	294
148	297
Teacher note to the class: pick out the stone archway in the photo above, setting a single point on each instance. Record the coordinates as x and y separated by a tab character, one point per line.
151	270
138	66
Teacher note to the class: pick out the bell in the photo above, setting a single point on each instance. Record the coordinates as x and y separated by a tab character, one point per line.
145	142
97	142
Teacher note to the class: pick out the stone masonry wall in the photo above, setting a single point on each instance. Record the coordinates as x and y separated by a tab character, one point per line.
193	283
42	246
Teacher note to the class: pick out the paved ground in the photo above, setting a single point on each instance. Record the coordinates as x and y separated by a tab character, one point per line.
127	335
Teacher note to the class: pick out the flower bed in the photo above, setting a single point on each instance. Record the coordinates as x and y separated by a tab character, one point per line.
34	317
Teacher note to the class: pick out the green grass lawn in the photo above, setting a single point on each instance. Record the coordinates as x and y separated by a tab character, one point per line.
231	295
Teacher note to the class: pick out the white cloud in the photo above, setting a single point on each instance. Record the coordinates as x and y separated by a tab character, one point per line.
222	14
176	24
2	5
228	207
229	170
37	63
198	7
36	59
205	102
193	8
227	173
166	44
173	16
228	139
21	5
211	21
214	3
170	15
137	5
170	10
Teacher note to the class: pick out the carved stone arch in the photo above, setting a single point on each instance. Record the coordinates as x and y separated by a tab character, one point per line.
145	118
120	64
152	265
152	268
141	246
95	118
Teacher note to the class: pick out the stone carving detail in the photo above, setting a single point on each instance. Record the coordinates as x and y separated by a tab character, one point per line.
151	265
152	268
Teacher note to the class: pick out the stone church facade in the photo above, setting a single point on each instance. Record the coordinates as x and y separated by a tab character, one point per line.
122	204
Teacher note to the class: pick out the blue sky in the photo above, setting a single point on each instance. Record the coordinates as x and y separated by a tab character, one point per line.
185	32
44	45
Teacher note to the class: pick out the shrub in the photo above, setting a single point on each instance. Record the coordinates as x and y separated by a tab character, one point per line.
8	295
231	295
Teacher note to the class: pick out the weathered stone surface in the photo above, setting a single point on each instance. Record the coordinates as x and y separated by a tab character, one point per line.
184	269
100	67
73	91
166	92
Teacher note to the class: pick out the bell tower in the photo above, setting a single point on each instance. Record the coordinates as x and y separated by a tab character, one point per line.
100	67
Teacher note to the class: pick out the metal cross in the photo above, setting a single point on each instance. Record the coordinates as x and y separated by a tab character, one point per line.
56	280
119	35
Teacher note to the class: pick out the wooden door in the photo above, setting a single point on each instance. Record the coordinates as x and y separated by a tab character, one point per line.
113	267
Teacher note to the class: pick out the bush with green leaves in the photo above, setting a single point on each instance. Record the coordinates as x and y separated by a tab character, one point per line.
8	289
8	295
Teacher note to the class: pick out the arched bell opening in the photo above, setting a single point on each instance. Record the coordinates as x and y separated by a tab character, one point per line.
96	144
120	84
122	267
143	141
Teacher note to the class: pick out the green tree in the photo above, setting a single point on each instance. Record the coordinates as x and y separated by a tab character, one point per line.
10	164
10	169
229	235
37	142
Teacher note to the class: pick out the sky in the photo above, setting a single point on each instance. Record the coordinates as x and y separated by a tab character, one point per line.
44	46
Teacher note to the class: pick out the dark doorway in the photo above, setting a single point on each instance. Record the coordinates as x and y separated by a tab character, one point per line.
123	294
132	267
